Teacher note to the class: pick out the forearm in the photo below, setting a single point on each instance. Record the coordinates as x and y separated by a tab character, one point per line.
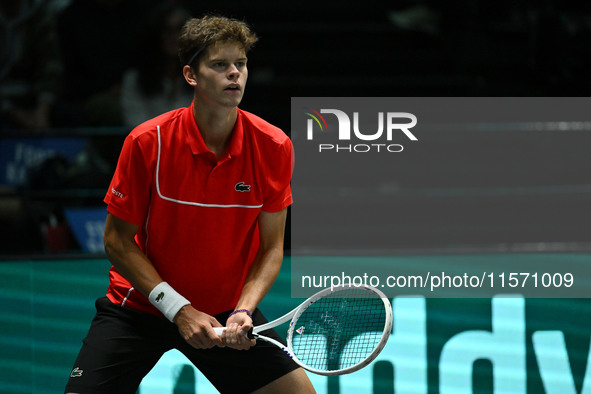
266	266
126	256
133	264
260	278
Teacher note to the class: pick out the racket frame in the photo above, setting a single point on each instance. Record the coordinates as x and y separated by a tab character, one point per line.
297	312
323	293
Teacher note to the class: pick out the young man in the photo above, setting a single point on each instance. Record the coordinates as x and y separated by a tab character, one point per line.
195	228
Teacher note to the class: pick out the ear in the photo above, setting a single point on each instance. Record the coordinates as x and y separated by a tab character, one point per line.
189	75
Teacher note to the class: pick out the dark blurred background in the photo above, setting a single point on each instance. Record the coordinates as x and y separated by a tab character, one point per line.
77	75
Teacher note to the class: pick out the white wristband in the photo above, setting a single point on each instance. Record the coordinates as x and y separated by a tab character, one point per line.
167	300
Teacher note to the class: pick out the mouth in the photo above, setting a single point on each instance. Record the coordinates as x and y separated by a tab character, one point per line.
232	88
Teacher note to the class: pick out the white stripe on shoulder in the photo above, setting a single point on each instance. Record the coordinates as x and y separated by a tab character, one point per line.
197	204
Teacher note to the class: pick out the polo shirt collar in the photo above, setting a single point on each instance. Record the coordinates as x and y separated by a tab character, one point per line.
197	143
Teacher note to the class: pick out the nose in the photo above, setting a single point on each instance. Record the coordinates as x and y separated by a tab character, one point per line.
233	72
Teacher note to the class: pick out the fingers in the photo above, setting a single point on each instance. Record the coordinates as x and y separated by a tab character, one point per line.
215	322
238	326
246	327
235	337
214	337
205	338
196	328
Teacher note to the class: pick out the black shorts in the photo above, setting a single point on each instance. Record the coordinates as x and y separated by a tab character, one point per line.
123	345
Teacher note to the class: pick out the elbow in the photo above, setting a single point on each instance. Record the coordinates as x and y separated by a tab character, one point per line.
109	245
115	251
114	246
272	248
119	239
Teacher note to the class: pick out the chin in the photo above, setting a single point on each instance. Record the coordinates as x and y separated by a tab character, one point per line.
232	103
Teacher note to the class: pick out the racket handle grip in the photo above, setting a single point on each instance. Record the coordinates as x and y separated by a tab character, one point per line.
220	331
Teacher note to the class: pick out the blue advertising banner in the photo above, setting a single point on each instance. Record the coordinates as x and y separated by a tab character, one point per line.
18	155
88	226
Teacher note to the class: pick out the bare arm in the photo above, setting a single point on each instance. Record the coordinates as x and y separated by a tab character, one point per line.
127	257
261	275
132	263
267	263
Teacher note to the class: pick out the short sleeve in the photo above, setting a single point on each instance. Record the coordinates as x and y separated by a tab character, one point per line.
278	188
128	196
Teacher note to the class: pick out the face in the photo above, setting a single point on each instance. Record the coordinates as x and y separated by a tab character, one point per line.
221	76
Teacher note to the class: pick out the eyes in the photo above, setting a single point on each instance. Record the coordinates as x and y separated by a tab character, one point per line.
224	65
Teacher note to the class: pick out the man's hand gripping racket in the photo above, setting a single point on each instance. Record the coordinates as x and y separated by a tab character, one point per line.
336	331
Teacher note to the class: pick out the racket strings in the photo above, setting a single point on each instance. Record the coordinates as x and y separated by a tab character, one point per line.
339	331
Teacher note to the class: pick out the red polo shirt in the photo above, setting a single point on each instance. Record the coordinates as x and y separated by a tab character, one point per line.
197	214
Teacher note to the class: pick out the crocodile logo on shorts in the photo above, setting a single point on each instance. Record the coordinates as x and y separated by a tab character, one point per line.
160	297
76	373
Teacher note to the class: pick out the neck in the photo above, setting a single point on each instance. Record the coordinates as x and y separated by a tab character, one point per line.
215	126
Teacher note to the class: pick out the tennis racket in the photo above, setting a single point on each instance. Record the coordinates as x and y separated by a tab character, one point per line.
334	332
